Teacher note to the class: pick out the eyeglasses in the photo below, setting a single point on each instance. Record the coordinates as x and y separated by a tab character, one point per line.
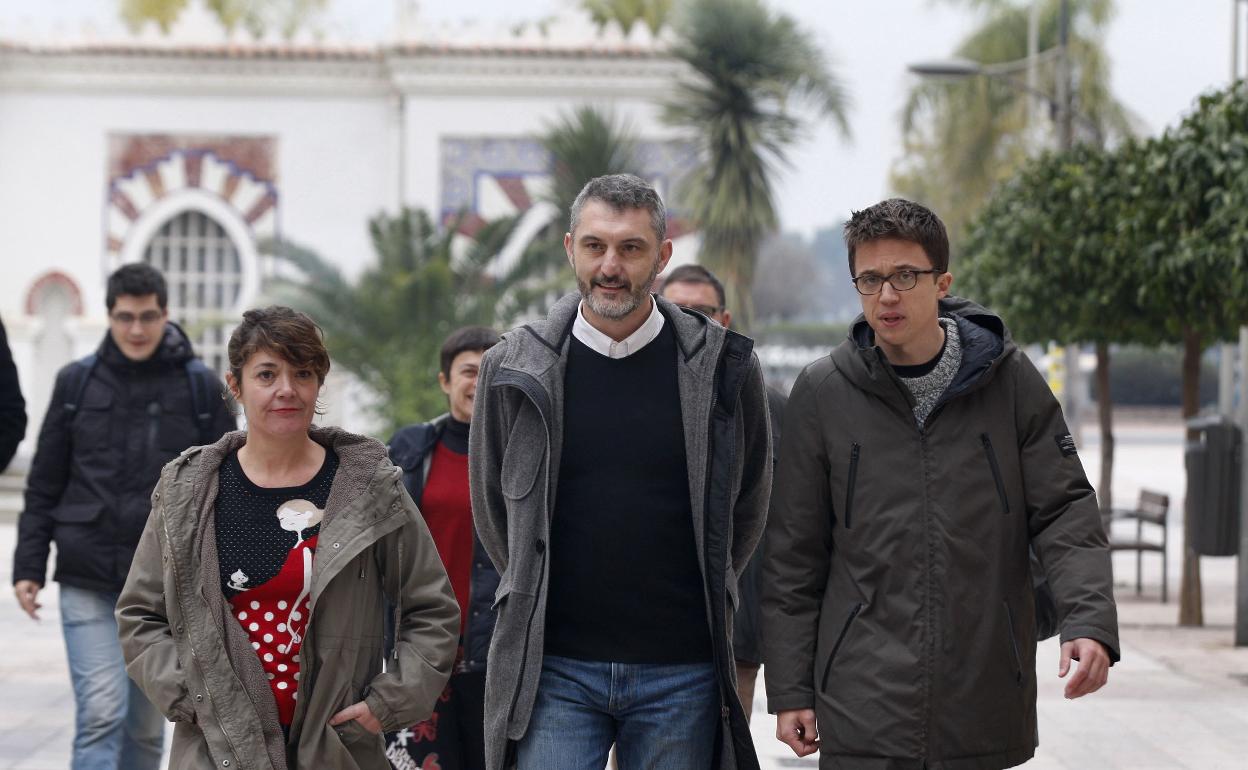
710	310
902	280
146	318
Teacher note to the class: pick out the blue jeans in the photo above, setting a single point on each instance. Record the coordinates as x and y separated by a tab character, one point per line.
115	727
660	717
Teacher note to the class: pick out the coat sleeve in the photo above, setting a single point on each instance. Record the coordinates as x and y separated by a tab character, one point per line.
1063	519
427	632
798	554
49	474
487	442
750	511
144	626
12	405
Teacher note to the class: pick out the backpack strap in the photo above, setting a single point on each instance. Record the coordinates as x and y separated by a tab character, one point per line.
202	380
83	368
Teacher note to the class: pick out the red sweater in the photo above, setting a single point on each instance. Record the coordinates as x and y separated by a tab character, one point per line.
447	509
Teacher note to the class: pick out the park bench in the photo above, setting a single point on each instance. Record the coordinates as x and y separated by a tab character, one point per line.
1153	509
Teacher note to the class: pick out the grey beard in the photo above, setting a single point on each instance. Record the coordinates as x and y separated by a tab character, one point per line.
615	310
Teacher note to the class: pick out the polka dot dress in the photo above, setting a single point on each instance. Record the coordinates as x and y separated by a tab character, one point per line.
266	541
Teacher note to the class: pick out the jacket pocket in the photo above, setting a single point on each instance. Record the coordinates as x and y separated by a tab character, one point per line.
1015	654
996	472
77	513
522	459
827	667
854	451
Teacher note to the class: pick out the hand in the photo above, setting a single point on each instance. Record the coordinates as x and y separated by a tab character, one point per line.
26	592
361	713
1093	670
796	729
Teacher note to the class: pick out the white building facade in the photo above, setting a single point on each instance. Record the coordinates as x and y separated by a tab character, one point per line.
191	157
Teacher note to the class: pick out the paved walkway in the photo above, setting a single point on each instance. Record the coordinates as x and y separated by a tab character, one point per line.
1179	698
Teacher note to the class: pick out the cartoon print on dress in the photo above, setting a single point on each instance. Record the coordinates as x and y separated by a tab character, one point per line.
296	516
238	580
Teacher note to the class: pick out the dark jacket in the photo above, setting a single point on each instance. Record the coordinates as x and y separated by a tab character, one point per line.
515	445
897	587
412	450
747	624
12	406
91	480
186	651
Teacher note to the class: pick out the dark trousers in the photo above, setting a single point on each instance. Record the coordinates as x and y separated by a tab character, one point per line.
454	737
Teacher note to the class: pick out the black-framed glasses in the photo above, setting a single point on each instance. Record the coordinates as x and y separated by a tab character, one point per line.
709	310
902	280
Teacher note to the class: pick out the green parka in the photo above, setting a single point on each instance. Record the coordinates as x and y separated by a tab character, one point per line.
897	592
193	660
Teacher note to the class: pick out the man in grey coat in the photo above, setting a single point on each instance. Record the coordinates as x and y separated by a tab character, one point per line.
920	461
620	466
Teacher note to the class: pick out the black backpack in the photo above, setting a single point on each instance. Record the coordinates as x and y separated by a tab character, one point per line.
202	381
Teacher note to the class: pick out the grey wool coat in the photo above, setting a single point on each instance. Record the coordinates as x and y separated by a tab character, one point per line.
193	660
897	593
514	455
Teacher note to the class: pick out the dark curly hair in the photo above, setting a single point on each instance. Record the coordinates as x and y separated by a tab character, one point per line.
902	220
286	332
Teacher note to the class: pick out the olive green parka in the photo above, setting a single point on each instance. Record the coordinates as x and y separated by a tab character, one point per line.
186	651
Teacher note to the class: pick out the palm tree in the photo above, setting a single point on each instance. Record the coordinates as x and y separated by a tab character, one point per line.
962	137
749	65
386	326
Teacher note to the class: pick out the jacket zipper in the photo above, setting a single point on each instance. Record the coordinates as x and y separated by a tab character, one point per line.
849	487
996	472
827	668
1018	658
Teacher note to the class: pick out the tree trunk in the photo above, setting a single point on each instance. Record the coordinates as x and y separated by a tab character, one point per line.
1191	602
1105	410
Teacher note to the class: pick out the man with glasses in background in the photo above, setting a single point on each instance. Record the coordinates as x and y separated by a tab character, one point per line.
920	461
696	288
116	417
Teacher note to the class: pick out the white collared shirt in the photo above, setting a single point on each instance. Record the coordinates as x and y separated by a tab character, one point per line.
602	343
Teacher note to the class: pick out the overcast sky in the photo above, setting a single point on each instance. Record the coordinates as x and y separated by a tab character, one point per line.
1164	53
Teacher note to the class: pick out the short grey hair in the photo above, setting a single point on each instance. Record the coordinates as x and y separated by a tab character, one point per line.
622	191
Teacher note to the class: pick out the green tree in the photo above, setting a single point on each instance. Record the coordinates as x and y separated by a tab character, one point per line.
626	14
258	17
386	326
1196	181
963	136
750	66
1048	252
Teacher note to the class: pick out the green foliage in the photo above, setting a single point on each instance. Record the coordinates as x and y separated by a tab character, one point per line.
1195	180
1049	253
258	17
387	325
625	14
750	65
964	136
584	144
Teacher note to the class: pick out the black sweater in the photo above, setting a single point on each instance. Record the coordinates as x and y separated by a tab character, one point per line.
625	585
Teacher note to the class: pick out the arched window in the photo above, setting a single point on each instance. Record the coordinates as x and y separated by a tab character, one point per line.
205	276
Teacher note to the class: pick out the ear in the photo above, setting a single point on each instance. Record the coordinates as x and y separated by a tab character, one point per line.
727	316
236	392
942	285
567	248
444	383
665	254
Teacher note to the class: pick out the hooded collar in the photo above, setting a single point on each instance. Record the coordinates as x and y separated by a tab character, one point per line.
985	342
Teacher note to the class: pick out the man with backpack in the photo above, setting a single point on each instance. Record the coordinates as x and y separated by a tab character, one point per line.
116	417
921	464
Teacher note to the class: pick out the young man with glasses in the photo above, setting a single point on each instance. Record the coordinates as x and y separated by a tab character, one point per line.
920	461
116	417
